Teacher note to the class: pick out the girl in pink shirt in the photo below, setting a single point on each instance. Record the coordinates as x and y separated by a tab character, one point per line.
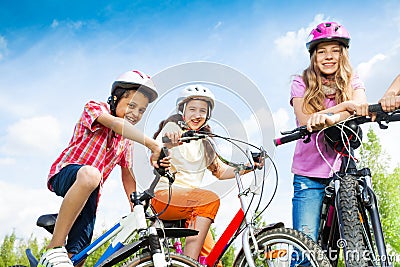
326	93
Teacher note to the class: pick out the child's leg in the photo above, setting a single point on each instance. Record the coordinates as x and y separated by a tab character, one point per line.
197	205
208	245
307	202
194	244
87	180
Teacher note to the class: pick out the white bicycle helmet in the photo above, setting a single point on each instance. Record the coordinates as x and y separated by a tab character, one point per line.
136	80
196	91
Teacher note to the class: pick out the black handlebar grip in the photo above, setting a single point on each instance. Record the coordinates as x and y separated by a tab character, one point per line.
288	138
375	108
163	154
190	133
165	139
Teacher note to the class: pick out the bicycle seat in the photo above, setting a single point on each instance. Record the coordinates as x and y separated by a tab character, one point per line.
176	232
174	223
175	229
47	221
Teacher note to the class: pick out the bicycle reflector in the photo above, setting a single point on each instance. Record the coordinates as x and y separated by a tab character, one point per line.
342	135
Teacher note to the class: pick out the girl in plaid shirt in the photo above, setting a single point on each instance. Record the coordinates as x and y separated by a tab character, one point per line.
103	138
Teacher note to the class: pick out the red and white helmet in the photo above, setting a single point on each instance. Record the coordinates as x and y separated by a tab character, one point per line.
136	80
325	32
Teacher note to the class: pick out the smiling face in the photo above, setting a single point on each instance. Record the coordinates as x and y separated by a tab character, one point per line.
195	113
327	57
132	106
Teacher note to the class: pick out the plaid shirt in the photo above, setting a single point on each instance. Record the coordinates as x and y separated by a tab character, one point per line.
95	145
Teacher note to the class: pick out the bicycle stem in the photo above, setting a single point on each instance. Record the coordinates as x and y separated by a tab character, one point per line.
248	219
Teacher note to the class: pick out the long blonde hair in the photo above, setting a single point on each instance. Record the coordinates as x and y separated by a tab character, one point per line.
314	97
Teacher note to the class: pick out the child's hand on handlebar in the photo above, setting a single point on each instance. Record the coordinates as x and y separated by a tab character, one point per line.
318	121
174	139
359	109
155	161
390	103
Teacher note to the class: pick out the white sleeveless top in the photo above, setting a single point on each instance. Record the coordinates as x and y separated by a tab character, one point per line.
188	161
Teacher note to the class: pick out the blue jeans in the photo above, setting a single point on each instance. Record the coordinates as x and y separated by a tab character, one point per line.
81	232
306	210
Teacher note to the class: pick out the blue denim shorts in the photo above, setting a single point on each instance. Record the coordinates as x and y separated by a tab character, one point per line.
307	202
81	232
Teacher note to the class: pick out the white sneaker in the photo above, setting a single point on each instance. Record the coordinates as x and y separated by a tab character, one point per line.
55	257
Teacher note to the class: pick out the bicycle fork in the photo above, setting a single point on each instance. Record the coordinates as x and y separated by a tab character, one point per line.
368	198
369	201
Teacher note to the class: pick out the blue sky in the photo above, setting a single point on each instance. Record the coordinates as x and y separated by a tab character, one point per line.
57	55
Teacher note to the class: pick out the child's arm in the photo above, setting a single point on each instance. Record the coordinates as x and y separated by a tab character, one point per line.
332	115
223	171
129	182
391	99
127	130
394	88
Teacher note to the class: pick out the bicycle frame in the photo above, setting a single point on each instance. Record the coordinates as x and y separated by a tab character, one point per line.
122	231
221	244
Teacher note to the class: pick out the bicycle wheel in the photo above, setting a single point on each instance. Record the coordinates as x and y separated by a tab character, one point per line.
356	253
284	247
176	260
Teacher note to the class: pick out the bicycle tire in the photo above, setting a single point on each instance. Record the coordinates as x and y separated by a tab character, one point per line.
281	240
352	226
176	260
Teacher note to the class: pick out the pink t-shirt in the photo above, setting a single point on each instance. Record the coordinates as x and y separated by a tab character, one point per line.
306	159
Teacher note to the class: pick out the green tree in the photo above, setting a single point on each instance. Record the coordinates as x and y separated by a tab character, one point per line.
386	186
12	250
229	256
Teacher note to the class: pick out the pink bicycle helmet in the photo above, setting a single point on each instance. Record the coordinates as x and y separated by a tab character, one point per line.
328	31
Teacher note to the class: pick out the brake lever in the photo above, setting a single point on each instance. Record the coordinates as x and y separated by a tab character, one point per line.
308	138
298	129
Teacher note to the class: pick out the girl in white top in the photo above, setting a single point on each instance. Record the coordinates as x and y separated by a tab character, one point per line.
189	162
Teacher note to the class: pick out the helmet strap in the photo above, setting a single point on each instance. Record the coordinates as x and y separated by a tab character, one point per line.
112	101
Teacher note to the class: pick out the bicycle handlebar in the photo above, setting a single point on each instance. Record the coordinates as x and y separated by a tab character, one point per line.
194	135
302	132
186	137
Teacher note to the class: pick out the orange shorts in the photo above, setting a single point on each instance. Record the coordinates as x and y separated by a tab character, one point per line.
186	204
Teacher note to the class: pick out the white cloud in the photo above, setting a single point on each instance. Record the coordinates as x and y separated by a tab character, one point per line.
39	134
54	24
281	120
7	161
20	207
75	25
364	68
219	23
292	42
3	47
